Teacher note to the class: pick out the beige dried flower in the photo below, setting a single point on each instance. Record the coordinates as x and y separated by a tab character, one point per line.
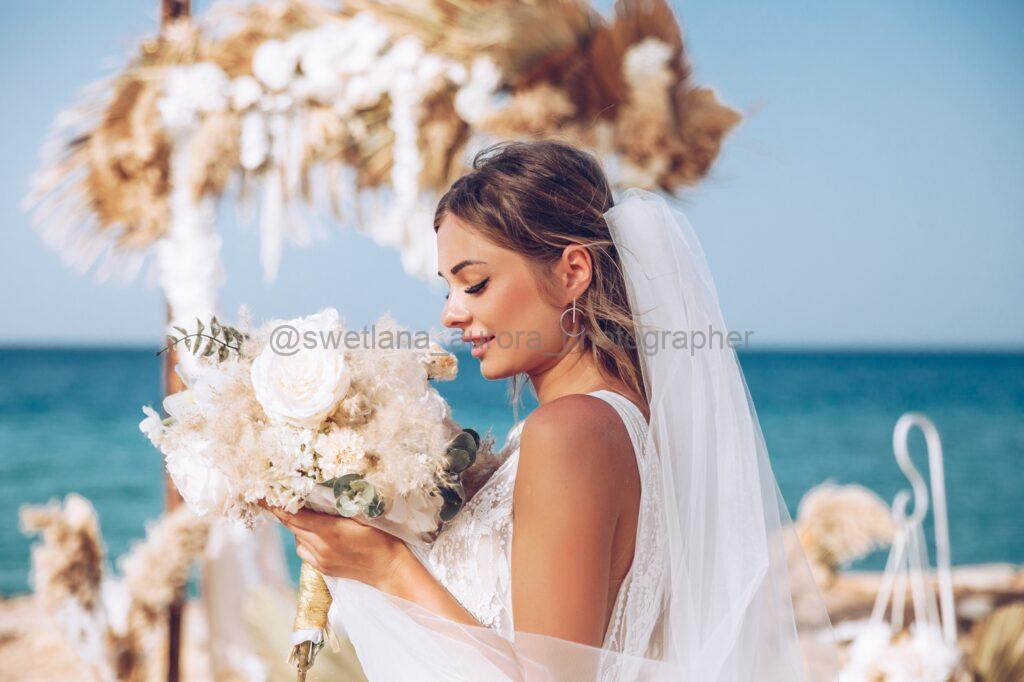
840	524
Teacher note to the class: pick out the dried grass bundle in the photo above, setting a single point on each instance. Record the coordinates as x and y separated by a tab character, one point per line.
839	524
68	563
116	627
998	651
395	91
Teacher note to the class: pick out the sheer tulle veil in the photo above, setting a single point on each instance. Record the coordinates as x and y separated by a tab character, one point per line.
729	612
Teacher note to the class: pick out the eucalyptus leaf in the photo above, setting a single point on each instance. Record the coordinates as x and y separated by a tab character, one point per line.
463	441
341	484
449	510
454	497
376	508
474	434
459	460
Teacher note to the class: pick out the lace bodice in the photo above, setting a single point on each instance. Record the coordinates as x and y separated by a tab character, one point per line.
472	556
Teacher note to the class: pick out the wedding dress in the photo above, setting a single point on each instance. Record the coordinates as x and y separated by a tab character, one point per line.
472	558
709	596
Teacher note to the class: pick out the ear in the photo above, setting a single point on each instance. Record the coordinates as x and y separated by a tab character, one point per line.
574	271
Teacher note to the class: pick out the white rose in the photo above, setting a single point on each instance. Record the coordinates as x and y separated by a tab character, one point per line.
203	486
304	388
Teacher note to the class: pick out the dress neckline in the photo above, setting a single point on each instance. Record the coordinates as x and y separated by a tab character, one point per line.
518	426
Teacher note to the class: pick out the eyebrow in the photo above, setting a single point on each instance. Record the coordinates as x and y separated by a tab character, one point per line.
459	266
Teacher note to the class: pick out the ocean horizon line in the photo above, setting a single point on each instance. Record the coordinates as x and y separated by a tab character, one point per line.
766	348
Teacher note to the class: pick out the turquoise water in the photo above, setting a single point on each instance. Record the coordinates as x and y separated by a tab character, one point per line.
68	422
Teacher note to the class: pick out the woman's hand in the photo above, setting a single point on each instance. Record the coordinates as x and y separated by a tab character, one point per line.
347	548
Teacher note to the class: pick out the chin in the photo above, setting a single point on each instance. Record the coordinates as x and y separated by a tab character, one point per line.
493	368
491	372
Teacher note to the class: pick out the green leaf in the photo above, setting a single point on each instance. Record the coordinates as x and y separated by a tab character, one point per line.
376	508
184	332
459	460
188	342
454	497
208	351
474	434
199	326
222	353
342	484
214	326
463	441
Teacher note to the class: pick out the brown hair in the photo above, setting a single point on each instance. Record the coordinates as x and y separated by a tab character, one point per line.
536	198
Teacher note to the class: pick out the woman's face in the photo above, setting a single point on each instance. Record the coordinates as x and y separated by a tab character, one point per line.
494	298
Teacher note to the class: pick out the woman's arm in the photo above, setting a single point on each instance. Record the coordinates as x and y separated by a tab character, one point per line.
412	581
349	549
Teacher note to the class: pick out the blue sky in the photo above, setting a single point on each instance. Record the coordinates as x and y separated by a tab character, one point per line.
870	198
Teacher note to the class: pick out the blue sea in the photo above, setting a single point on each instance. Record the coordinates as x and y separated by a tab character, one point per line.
69	422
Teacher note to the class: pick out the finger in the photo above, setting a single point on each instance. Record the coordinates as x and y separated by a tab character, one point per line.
284	517
310	520
307	555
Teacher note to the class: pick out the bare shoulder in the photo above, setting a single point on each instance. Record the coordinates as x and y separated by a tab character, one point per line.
580	442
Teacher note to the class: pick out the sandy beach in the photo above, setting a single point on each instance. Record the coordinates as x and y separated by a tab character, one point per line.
32	650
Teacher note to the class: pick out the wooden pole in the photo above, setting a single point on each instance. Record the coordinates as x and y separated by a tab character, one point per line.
172	10
172	383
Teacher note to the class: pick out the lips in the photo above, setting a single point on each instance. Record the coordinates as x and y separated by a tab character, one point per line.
480	343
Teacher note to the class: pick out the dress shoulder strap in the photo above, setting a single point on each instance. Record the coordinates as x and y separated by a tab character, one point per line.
630	414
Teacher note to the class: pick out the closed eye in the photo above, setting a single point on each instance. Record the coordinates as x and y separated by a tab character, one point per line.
475	289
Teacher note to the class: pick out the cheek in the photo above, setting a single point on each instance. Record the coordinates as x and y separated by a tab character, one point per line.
526	328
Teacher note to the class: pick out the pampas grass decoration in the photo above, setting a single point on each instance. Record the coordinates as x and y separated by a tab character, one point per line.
68	563
398	93
115	626
998	651
840	524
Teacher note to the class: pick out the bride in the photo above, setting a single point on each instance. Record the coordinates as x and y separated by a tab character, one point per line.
635	529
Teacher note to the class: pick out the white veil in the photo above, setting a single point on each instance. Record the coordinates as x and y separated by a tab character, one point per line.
728	609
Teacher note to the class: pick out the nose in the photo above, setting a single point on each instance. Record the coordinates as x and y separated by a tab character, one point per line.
454	313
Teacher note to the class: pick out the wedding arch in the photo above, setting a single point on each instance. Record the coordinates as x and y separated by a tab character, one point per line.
359	113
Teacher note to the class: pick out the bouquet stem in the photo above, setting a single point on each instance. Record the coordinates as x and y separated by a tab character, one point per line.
310	627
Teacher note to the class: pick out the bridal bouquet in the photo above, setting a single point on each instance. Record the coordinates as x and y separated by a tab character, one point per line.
304	413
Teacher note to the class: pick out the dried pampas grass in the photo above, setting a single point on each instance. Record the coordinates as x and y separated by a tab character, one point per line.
396	92
840	524
68	563
998	651
115	626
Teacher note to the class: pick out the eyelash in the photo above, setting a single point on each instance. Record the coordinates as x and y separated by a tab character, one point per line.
476	288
